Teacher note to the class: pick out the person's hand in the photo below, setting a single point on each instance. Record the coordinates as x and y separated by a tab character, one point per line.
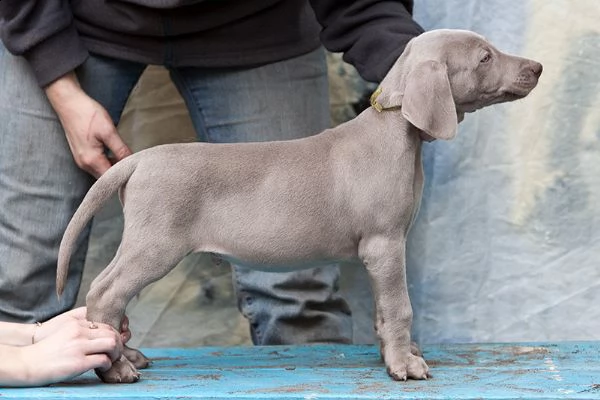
70	349
55	324
88	127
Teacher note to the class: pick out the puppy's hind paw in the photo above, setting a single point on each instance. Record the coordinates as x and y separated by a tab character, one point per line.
122	371
136	357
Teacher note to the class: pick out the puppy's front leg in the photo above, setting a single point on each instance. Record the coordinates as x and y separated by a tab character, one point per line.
385	263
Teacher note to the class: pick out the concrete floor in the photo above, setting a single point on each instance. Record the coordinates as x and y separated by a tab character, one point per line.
194	305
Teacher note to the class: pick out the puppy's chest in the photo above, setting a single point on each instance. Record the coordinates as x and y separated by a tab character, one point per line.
401	196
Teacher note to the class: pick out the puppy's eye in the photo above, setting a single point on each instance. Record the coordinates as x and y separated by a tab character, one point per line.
486	58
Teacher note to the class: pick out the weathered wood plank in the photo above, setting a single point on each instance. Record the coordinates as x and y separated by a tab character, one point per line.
487	371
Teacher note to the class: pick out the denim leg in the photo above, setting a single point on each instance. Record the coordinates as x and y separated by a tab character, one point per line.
40	188
284	100
109	82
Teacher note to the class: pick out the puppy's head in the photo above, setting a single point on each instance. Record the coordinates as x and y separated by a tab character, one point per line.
445	73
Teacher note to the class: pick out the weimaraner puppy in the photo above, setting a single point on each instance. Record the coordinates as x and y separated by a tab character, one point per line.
347	194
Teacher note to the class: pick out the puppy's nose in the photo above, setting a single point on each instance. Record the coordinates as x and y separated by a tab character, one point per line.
536	68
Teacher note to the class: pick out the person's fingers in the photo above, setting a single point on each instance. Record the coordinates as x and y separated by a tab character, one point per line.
115	144
100	326
95	164
99	163
89	135
93	330
78	313
100	361
104	344
84	324
99	330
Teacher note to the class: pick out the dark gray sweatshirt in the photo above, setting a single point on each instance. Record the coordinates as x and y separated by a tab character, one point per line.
56	36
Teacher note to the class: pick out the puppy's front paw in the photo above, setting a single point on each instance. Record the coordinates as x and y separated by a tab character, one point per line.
415	350
122	371
136	357
413	367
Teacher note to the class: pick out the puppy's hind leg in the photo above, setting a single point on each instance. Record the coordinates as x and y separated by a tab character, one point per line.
133	355
138	264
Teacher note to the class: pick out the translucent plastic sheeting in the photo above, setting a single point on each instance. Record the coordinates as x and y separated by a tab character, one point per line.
507	243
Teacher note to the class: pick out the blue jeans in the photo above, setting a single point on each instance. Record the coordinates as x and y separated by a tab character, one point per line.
40	185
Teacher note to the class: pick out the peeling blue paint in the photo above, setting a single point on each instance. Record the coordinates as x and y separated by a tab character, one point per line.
501	371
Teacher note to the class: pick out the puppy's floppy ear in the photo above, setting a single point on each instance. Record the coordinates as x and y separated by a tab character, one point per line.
427	102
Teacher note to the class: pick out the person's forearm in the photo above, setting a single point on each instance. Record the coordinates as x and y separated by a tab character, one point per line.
14	334
13	371
370	33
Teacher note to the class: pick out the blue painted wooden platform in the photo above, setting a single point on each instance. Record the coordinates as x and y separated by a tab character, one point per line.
500	371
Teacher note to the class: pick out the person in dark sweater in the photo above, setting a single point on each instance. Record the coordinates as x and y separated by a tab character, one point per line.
249	70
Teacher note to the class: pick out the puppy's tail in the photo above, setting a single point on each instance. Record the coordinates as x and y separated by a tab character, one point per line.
98	195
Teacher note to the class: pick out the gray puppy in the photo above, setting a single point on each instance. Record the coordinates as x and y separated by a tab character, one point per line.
347	194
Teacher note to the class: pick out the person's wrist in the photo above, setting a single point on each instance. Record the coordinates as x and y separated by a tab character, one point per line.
34	330
16	372
23	334
16	334
64	89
